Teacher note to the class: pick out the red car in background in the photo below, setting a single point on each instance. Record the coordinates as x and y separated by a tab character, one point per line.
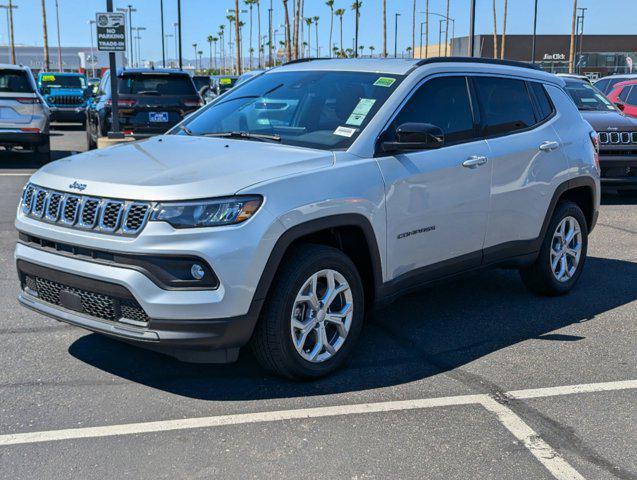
624	95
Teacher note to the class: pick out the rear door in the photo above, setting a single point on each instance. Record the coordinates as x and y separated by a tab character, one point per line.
437	203
17	98
517	121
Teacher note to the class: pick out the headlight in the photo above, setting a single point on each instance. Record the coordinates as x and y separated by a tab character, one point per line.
207	213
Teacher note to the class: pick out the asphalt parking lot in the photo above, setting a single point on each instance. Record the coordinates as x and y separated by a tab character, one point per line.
474	379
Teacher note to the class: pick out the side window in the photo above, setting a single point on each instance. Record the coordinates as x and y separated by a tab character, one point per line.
505	105
602	85
443	102
623	95
632	96
542	99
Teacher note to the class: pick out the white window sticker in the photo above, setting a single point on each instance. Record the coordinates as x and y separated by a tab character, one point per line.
344	131
360	111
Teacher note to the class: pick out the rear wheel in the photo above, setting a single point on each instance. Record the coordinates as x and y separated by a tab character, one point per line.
310	323
562	255
91	143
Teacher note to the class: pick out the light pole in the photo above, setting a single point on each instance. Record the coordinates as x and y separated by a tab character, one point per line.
10	7
446	20
166	36
534	34
163	46
138	54
440	36
90	26
472	27
175	25
580	38
396	15
270	11
57	20
179	32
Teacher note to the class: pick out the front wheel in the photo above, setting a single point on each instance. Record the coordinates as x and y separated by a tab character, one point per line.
314	315
562	254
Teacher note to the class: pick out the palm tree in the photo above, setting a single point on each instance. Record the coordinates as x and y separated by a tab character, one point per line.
308	22
413	27
371	51
258	3
362	49
231	20
348	52
330	4
304	45
504	31
408	49
385	28
288	44
214	56
250	3
200	53
335	51
339	12
209	39
318	49
237	36
571	54
194	45
356	7
296	29
222	49
241	25
46	37
426	29
495	32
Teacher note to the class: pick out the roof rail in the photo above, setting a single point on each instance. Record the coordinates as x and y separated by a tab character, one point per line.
308	59
493	61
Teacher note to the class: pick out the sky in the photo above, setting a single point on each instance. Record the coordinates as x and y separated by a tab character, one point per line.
203	17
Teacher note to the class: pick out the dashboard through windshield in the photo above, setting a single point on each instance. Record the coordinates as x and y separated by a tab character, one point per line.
316	109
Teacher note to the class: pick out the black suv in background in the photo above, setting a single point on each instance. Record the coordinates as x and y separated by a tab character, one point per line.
151	101
617	134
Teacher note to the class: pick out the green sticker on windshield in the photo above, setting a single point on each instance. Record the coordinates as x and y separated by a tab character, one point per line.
384	82
48	78
225	81
360	111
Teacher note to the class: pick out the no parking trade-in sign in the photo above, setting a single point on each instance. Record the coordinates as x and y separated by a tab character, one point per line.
111	31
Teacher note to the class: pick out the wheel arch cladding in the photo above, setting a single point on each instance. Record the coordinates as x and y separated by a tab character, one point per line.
353	234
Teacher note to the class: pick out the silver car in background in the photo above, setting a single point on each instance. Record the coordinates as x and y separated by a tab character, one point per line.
24	115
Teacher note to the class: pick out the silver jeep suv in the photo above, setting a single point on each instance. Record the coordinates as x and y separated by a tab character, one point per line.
278	214
24	115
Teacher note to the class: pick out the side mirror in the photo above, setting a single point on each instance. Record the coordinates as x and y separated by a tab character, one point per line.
621	106
415	136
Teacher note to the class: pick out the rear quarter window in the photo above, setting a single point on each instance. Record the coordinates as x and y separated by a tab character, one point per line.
15	81
543	101
505	105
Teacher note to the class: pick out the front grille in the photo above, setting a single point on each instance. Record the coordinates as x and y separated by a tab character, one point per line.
64	100
93	304
120	217
616	138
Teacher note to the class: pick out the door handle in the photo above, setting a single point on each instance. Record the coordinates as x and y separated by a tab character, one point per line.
474	161
549	146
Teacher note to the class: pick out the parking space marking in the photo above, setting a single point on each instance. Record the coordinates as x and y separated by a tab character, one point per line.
16	174
542	451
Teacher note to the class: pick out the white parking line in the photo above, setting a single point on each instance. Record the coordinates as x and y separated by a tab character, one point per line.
543	452
16	174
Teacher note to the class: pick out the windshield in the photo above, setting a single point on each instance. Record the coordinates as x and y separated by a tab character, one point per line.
49	81
156	84
14	81
325	110
588	98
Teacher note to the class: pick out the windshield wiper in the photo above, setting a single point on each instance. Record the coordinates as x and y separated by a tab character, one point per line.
245	136
148	92
185	129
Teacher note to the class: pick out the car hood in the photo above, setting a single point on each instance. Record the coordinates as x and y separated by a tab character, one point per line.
609	121
178	167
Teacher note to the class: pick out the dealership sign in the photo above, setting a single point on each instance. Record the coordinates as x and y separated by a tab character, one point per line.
111	31
554	56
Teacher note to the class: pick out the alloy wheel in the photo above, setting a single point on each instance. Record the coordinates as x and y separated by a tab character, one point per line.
566	249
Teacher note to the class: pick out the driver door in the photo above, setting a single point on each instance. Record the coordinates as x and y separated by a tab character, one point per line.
437	200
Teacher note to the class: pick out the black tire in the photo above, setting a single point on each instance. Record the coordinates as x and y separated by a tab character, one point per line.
43	151
90	143
539	277
272	341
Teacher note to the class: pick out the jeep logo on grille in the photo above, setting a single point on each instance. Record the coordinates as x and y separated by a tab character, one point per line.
78	186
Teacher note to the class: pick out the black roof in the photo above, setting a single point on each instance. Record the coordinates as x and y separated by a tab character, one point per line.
491	61
125	71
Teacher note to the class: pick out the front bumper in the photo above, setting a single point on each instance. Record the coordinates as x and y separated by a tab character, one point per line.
619	167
